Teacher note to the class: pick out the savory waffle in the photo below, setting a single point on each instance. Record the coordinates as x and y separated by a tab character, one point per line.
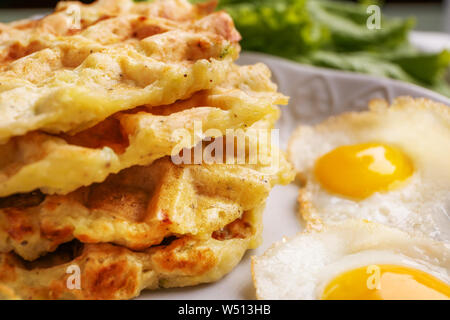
113	272
61	83
135	138
95	103
138	207
61	22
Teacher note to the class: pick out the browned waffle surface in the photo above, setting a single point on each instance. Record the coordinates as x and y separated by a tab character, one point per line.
112	272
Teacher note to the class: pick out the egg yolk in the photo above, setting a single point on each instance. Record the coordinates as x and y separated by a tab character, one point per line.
386	282
358	171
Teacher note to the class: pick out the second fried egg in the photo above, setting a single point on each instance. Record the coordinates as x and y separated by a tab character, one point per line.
354	260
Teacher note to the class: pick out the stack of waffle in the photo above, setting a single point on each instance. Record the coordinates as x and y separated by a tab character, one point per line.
103	109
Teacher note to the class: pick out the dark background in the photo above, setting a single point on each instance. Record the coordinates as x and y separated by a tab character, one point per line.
51	3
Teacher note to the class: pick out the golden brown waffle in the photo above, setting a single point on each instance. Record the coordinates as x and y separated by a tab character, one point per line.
138	207
61	22
114	272
60	164
92	101
72	81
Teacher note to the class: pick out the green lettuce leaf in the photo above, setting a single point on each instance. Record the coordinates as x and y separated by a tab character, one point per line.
334	34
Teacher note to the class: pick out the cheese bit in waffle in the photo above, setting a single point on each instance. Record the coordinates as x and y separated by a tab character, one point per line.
112	272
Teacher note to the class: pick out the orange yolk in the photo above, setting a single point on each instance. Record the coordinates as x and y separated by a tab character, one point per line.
358	171
386	282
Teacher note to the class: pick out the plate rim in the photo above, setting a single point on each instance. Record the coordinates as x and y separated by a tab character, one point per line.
345	74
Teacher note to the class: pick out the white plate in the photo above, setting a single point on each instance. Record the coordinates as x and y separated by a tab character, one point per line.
315	94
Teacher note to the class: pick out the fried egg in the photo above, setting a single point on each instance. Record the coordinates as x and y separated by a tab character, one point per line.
354	260
390	165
